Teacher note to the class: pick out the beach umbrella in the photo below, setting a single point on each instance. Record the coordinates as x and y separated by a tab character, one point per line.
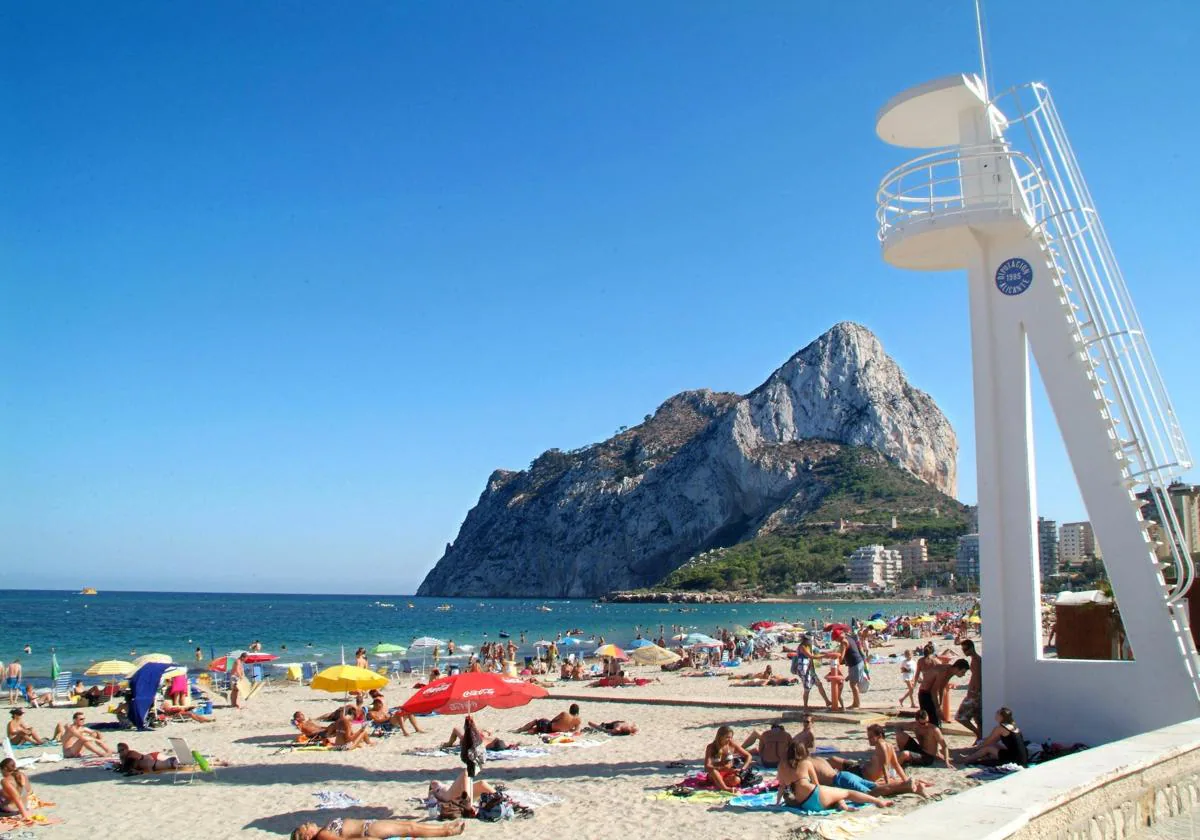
700	639
654	655
542	643
611	651
384	649
221	664
739	630
110	668
923	619
876	624
345	678
639	643
426	642
762	625
835	628
152	658
255	658
975	620
54	671
711	643
877	616
570	641
470	692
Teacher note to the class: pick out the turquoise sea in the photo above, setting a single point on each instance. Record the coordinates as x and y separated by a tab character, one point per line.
82	629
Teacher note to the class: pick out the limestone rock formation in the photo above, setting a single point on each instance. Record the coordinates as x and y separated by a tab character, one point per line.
706	470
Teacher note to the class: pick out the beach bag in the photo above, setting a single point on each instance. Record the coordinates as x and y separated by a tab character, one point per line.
494	807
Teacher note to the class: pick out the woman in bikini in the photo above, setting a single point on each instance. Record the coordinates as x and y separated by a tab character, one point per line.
14	791
347	829
1004	745
718	760
800	788
135	763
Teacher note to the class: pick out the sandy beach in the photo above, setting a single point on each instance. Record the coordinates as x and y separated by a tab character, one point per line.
606	786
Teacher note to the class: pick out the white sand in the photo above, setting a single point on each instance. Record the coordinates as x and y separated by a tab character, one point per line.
605	789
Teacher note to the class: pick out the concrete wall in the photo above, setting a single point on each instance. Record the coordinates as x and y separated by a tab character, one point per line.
1105	793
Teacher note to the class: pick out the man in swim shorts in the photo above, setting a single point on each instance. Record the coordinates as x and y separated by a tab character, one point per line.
924	746
563	722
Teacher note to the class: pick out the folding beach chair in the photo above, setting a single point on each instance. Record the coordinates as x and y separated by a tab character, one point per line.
308	670
188	762
62	690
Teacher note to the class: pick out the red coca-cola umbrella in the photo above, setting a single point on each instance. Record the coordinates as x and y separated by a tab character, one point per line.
462	694
222	663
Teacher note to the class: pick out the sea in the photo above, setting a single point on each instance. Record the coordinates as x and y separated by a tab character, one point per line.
82	629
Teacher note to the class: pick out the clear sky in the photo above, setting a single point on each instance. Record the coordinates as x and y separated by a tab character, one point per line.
281	283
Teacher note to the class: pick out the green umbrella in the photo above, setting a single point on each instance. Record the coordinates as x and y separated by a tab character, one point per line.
384	647
54	666
739	630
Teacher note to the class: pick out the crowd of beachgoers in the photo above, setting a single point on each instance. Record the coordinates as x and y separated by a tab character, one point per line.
863	715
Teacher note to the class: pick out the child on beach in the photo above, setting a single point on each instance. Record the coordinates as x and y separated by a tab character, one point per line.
908	673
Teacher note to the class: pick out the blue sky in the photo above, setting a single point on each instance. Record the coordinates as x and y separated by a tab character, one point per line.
283	282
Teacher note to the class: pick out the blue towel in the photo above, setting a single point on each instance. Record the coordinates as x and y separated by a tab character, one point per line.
766	802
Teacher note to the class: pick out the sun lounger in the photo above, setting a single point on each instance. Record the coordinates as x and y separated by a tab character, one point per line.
188	762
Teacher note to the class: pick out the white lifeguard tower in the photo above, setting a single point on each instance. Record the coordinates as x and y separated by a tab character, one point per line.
1003	197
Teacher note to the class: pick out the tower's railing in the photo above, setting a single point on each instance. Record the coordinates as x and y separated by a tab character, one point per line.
1034	174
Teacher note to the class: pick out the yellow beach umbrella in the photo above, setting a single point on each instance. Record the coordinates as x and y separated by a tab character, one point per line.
110	668
975	620
611	651
923	619
342	678
162	658
654	655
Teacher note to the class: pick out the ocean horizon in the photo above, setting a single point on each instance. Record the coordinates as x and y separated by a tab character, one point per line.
303	627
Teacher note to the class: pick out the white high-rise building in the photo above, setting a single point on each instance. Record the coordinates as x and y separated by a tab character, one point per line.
1077	543
876	566
913	555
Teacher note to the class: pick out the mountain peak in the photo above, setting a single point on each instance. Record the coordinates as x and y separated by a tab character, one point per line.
706	469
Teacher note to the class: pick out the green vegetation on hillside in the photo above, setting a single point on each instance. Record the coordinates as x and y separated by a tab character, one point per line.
864	491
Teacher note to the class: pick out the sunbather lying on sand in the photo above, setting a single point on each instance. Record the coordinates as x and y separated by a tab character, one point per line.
615	727
454	791
872	776
310	728
380	716
769	681
348	829
764	674
489	741
800	786
169	711
567	721
134	763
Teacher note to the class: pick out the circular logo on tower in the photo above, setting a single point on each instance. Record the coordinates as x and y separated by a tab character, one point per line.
1014	276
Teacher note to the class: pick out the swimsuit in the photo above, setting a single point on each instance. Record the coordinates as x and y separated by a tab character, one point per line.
14	682
925	701
1012	749
913	746
543	726
811	803
853	781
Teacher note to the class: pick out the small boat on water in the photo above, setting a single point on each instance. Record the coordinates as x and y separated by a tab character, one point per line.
411	605
504	635
444	607
88	590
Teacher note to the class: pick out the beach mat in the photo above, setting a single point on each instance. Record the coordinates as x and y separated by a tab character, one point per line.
491	755
766	802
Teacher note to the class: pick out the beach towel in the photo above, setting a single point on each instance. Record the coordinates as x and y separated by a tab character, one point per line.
336	799
823	750
988	774
493	755
766	802
531	800
570	741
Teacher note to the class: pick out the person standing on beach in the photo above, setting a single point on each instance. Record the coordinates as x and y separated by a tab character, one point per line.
852	657
934	682
805	668
237	676
970	712
12	678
